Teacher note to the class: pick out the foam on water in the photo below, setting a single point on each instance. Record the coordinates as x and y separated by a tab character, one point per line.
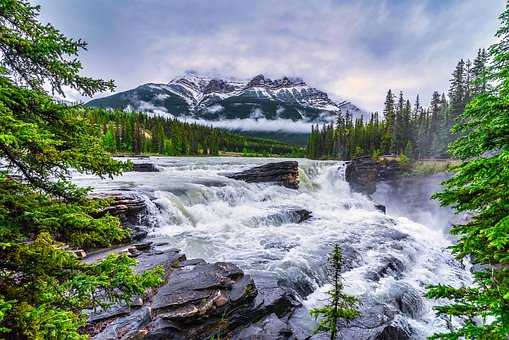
210	216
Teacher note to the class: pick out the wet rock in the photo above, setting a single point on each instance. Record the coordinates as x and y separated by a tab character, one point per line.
394	332
407	300
168	259
302	215
296	215
364	172
144	167
377	321
381	207
361	174
282	173
270	328
200	300
275	295
132	210
390	266
126	327
143	246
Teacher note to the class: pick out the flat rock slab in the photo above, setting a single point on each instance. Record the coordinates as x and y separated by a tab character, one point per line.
282	173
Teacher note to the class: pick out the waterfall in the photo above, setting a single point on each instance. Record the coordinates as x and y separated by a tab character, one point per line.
251	224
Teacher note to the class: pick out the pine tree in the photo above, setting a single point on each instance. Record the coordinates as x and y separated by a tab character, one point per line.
44	287
390	117
341	305
480	188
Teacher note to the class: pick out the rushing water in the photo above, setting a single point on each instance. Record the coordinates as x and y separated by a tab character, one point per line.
218	219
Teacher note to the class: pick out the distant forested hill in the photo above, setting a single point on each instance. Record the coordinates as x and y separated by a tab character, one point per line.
138	133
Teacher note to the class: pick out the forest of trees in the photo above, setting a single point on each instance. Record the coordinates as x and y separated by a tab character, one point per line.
139	133
406	127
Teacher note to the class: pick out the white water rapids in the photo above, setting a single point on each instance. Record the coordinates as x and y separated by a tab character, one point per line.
209	216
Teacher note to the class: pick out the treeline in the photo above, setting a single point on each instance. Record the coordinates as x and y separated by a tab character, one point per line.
138	133
406	128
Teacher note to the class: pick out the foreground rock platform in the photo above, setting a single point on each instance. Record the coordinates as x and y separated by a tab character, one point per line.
199	300
282	173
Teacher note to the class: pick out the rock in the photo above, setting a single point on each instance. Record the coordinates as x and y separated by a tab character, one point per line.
394	332
275	295
381	207
282	173
376	321
79	253
302	214
270	328
132	210
390	266
407	299
169	259
126	327
144	167
295	215
199	300
143	246
361	174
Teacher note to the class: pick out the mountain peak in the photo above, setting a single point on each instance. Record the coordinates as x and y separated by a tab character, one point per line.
216	98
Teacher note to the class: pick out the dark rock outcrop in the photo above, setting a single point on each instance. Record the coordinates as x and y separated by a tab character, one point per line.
381	207
282	173
199	300
132	210
302	214
364	172
144	167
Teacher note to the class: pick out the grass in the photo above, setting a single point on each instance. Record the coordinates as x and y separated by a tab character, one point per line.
430	167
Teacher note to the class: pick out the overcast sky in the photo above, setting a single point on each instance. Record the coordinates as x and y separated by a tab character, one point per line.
353	49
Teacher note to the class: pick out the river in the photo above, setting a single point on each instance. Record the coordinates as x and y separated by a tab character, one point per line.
206	215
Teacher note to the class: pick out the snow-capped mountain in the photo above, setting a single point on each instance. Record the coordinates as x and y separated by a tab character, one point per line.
219	99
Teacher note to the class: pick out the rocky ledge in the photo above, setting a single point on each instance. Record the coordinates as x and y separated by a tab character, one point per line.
282	173
364	172
131	208
200	300
144	167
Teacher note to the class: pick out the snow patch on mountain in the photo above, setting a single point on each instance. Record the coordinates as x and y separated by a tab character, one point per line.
259	102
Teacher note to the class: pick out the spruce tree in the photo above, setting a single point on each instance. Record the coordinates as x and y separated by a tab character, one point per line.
341	305
390	118
44	287
480	188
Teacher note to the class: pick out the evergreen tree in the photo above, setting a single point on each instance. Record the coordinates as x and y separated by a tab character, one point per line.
480	188
44	287
390	117
341	305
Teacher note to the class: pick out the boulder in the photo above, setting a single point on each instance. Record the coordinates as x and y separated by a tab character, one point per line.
144	167
381	207
377	321
282	173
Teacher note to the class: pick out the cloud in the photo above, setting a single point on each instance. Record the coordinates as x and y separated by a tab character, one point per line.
353	49
260	124
215	108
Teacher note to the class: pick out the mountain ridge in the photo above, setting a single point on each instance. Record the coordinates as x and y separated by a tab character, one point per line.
214	98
